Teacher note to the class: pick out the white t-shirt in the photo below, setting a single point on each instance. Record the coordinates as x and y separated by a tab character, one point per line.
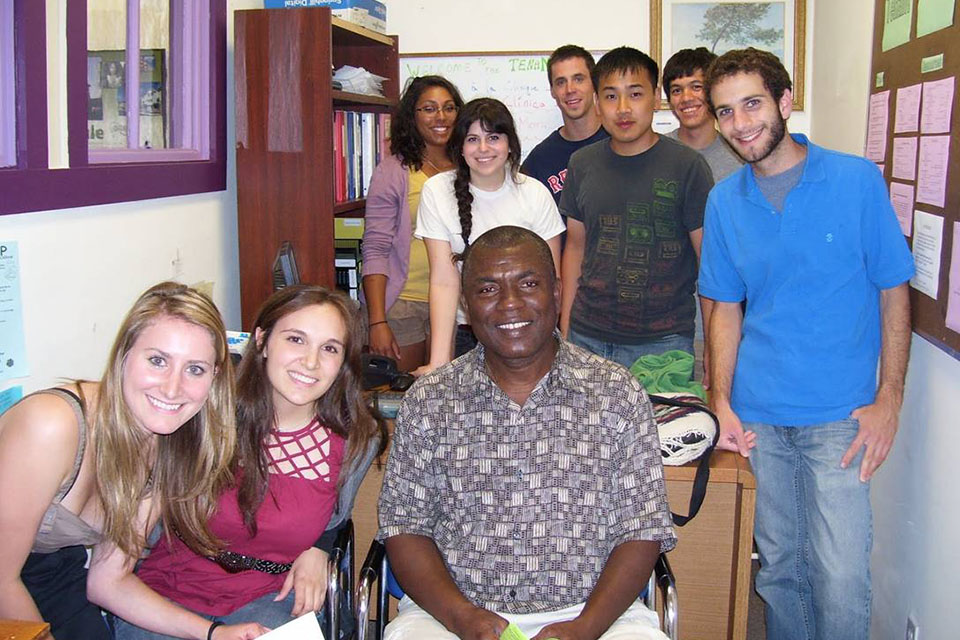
526	204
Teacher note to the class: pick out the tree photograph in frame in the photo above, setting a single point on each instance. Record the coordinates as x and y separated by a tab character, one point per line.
777	26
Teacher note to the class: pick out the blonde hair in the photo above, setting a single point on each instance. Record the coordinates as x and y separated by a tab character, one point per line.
190	467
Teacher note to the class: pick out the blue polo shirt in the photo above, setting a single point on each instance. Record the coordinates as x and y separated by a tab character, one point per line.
811	277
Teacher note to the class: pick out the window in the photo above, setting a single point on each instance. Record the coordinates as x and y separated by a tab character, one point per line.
8	137
144	102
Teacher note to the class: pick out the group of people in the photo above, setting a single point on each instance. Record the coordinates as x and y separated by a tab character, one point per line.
251	480
524	483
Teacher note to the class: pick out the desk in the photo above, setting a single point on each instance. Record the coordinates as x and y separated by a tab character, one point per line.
17	630
712	557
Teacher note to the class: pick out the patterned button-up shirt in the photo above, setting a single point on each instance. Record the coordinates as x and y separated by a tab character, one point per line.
526	503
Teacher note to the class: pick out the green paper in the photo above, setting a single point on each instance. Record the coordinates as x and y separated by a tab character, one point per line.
933	15
931	63
512	632
897	16
879	82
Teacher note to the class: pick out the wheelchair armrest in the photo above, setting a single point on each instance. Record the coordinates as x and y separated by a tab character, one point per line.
369	574
339	577
667	584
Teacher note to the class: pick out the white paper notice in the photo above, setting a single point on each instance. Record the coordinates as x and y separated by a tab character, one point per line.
932	171
901	196
305	627
877	126
927	245
905	158
953	300
937	106
908	109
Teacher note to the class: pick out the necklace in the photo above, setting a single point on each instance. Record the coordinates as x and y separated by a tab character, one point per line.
435	167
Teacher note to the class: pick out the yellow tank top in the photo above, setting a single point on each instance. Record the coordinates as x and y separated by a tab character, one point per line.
417	287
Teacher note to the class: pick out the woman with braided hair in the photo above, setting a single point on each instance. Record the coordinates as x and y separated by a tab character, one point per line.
485	191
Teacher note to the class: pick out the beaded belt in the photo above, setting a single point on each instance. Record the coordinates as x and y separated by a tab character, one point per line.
236	562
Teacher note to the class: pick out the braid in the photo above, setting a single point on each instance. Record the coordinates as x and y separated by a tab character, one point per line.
461	188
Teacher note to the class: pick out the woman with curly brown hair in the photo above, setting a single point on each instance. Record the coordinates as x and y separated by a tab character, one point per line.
485	191
395	269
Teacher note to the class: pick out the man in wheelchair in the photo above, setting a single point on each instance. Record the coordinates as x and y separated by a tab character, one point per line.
525	483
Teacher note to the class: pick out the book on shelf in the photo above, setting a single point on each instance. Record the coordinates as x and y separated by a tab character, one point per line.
347	265
360	141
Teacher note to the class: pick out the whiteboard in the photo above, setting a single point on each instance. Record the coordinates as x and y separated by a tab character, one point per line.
519	80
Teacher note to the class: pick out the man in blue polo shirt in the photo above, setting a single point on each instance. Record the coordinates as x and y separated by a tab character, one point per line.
807	237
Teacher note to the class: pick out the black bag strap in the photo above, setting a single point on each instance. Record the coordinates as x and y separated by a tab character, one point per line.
702	476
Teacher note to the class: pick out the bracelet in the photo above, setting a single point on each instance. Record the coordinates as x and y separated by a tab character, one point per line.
213	625
373	324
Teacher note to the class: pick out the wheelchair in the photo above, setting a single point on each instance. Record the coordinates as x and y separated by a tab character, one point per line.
340	577
376	569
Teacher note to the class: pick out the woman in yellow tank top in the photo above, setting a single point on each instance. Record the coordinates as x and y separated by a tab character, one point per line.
395	268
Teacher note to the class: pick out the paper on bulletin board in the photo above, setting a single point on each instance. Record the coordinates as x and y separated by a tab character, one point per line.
10	397
908	109
937	106
933	15
905	158
13	351
877	126
901	196
897	16
927	248
932	170
953	302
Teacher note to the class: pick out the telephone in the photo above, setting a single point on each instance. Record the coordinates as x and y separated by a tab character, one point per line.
380	370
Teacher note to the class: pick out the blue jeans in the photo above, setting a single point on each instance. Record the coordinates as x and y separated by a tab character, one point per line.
814	532
627	354
263	610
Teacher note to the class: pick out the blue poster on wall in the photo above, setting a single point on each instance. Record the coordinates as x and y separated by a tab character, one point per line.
13	352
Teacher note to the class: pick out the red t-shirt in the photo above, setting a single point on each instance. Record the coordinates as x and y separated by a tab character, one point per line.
300	499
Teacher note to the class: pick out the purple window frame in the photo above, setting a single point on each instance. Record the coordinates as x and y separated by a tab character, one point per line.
8	139
30	185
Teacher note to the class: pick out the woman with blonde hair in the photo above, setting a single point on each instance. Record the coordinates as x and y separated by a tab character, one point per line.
100	463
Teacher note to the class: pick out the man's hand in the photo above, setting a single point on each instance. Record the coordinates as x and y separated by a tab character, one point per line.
567	630
878	426
732	436
308	579
475	623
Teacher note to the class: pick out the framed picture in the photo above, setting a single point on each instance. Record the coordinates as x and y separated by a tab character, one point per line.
778	26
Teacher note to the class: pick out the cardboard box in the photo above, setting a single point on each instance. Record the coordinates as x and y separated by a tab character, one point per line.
370	14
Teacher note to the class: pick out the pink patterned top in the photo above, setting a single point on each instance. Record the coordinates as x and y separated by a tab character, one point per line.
304	467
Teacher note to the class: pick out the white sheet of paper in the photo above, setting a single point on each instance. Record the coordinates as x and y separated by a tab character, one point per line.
937	106
932	170
877	126
908	109
905	158
305	627
927	245
901	196
953	301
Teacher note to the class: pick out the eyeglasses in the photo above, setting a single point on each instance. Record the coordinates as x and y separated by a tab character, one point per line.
432	110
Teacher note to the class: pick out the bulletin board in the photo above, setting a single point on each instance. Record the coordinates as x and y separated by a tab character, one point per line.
912	135
517	78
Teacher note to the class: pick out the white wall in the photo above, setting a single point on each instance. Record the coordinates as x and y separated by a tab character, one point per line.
81	269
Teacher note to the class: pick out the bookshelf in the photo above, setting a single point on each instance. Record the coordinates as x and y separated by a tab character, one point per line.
283	63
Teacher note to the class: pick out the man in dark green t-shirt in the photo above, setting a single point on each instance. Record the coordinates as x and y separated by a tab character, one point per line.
635	208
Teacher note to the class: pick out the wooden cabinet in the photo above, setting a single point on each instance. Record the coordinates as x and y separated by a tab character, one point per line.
283	62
